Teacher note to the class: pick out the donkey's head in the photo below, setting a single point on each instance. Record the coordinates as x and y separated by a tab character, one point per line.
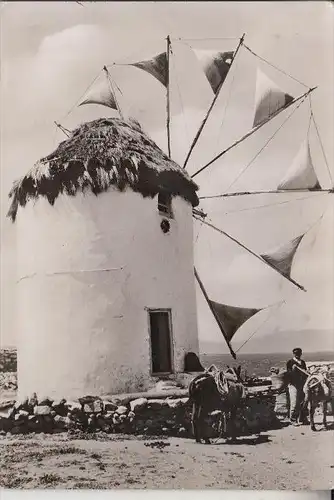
235	372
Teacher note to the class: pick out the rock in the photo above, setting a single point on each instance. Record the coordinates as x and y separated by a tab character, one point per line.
60	421
157	404
138	404
109	406
121	410
22	404
87	400
116	419
176	403
45	401
5	424
42	410
165	385
33	401
74	406
69	424
59	402
11	412
94	407
19	419
23	413
60	407
108	417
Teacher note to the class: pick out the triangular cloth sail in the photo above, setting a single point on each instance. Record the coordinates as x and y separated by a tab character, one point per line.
215	65
268	98
157	67
231	318
282	257
100	93
301	174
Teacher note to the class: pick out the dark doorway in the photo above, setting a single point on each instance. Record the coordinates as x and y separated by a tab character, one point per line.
161	341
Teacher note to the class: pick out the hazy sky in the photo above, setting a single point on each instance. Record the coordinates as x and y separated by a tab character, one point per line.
50	52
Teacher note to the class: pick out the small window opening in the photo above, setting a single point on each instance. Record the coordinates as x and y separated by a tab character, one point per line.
165	204
161	341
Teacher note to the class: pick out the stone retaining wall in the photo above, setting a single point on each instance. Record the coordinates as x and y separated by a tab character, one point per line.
170	416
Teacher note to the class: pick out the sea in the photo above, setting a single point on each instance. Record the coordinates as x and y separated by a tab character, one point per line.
259	364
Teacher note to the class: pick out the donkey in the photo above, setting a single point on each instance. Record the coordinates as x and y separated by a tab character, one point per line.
215	390
317	389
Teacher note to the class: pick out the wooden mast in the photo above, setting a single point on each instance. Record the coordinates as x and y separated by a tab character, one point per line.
168	96
214	313
252	253
113	91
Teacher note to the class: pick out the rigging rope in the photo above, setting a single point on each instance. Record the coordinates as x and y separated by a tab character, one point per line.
265	145
272	191
89	86
213	102
226	105
180	97
206	39
252	131
271	204
275	67
253	253
321	144
270	315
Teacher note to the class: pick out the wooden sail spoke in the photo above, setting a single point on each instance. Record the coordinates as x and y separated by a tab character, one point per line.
252	131
214	312
259	257
217	92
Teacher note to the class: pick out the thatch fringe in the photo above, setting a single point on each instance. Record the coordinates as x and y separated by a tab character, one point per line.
100	154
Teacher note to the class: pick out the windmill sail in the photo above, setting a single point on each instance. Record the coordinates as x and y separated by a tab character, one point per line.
215	65
282	257
301	174
232	318
269	99
100	93
157	67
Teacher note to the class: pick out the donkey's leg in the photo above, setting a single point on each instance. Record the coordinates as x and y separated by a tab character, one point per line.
312	410
324	414
195	421
202	411
233	428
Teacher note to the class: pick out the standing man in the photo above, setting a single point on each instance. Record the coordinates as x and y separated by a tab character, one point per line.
297	380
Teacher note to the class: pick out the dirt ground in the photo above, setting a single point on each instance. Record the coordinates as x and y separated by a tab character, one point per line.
290	458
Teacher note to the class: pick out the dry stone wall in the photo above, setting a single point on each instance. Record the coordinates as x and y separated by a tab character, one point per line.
169	416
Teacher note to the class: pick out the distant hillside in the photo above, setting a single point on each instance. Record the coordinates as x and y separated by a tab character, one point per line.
282	342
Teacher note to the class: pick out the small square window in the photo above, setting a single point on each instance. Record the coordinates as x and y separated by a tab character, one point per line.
165	204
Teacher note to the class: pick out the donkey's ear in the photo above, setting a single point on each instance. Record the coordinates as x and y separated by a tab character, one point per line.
238	370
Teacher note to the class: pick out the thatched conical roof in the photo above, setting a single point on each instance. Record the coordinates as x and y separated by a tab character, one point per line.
99	154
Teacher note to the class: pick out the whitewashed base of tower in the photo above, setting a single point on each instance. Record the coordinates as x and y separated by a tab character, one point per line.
89	268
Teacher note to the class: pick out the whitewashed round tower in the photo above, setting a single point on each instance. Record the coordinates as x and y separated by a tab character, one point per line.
105	286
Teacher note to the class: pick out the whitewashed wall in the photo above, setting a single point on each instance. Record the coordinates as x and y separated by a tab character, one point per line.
87	269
